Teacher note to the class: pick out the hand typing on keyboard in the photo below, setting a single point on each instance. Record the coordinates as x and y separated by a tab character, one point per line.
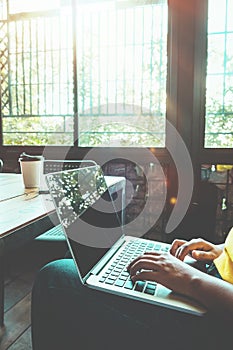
165	269
117	275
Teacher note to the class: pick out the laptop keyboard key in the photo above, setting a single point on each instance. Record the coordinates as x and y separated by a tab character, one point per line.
139	286
149	291
129	285
119	283
109	281
117	273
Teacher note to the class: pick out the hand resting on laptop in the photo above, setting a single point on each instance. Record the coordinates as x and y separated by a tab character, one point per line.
197	252
198	249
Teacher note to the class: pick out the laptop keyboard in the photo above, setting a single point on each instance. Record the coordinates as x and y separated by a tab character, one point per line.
117	274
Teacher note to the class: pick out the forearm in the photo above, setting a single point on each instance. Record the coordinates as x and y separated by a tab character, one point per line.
214	293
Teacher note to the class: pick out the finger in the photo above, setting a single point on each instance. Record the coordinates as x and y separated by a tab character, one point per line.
145	276
188	247
147	254
202	255
134	261
143	264
175	245
181	252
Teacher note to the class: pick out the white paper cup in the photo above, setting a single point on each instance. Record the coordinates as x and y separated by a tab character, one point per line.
31	171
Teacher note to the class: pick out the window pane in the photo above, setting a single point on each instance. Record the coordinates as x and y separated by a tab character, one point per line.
3	9
122	71
37	78
17	6
219	87
122	65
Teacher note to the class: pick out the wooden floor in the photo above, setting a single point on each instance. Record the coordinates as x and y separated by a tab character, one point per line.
20	271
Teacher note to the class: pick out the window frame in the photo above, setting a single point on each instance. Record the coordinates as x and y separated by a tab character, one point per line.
200	153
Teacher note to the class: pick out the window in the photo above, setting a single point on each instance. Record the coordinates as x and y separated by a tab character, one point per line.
219	85
37	76
94	76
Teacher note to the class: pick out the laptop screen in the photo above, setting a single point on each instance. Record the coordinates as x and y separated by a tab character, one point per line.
87	213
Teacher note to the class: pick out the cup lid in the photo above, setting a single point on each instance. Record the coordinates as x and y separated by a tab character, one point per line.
29	158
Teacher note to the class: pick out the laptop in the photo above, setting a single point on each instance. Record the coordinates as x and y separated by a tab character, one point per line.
101	251
55	165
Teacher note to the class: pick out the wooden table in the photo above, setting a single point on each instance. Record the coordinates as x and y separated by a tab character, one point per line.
24	215
20	208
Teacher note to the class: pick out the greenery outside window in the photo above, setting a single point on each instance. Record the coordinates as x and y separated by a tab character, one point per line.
219	83
84	73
